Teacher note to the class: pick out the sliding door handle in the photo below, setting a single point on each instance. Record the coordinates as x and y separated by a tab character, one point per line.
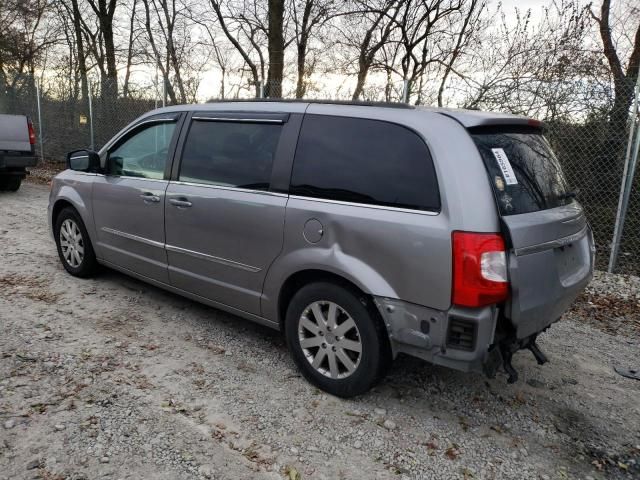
180	202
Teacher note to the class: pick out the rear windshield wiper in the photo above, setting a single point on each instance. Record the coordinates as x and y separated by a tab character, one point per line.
568	195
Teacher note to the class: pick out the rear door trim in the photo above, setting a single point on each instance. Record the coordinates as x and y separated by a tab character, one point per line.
560	242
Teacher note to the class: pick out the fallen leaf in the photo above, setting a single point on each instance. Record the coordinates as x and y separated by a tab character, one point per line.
292	473
452	453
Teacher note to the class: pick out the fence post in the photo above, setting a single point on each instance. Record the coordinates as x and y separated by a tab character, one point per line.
90	114
261	89
631	159
40	127
405	91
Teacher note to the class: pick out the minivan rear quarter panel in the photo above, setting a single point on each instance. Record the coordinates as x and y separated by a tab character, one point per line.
391	252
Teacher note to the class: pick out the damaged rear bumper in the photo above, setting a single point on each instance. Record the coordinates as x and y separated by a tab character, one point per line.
465	339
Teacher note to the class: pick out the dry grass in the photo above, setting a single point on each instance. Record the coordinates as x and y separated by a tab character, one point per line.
42	173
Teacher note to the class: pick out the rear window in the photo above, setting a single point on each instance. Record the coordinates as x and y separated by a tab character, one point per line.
364	161
523	171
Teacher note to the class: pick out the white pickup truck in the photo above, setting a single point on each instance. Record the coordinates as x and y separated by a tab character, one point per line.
17	150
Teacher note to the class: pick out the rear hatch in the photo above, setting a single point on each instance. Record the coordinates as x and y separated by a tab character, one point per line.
551	245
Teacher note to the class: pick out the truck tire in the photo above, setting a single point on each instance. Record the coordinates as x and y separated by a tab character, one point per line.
10	183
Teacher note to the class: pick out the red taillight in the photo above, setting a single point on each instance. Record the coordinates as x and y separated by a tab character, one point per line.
32	133
479	269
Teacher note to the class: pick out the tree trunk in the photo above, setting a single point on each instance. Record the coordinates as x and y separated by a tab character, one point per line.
110	54
362	78
273	88
127	75
82	61
302	59
364	64
105	10
302	48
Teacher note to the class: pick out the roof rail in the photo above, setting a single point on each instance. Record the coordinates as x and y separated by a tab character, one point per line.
328	102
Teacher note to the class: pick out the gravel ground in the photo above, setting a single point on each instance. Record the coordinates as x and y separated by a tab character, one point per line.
113	378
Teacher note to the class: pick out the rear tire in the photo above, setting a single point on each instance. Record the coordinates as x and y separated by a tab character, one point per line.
74	245
337	339
10	183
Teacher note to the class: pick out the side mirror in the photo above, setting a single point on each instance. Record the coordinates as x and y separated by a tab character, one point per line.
83	161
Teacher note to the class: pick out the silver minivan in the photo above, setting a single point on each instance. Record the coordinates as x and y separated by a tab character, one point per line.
360	231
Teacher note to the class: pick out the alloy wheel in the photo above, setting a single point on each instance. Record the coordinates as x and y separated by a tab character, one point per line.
330	339
71	243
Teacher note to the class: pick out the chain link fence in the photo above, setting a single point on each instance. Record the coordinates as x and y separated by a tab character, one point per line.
597	156
596	153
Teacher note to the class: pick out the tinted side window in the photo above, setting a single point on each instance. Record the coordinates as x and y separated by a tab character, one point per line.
144	154
230	154
365	161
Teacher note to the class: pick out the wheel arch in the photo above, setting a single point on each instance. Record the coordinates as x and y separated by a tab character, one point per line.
68	197
58	207
301	278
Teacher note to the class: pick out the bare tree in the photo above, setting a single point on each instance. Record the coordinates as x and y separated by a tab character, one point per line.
624	78
222	56
378	18
234	29
78	46
130	50
162	19
307	16
463	36
541	69
104	42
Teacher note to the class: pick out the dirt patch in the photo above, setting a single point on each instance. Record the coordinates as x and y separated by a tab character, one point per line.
29	286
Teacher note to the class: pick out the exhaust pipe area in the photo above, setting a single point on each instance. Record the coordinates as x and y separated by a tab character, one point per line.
501	354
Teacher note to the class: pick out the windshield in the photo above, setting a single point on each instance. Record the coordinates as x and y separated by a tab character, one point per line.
524	173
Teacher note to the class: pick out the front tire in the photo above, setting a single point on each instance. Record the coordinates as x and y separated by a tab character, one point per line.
336	339
74	245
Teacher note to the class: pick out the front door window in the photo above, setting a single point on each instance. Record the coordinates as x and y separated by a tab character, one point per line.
144	154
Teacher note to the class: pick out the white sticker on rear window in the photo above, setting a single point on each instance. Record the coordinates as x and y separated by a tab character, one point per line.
505	166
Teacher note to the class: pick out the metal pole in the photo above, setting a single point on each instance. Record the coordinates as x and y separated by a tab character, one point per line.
627	182
40	127
164	92
405	91
261	89
627	191
90	115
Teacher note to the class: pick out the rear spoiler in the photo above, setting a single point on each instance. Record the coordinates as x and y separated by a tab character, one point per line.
472	119
506	128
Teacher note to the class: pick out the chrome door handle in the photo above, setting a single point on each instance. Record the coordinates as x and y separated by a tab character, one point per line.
180	202
150	197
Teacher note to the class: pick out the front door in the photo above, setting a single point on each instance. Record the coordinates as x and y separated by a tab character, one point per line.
128	201
224	226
